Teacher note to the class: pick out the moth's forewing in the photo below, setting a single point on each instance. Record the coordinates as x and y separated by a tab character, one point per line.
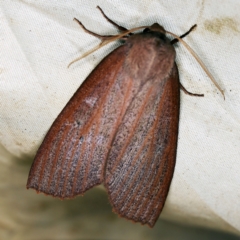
72	156
141	160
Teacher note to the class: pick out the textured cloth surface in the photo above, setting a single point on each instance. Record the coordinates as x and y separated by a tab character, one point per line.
38	39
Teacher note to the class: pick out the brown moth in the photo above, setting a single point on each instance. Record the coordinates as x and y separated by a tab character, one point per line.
120	128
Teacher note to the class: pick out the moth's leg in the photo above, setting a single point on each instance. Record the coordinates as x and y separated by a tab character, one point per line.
189	93
120	28
184	35
102	37
181	86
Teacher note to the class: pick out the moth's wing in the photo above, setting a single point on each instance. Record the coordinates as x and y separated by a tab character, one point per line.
141	162
72	156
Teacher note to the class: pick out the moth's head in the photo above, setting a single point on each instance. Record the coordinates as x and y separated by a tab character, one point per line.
155	28
157	31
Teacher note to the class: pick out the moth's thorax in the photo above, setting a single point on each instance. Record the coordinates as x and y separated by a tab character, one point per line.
149	54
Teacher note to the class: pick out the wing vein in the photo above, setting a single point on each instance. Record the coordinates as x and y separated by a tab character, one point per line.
89	125
53	164
140	112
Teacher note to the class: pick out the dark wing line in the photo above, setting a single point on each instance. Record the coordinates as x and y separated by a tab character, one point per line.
167	165
43	167
133	128
126	96
134	177
71	136
144	177
44	161
73	153
141	166
151	179
95	133
140	112
119	119
98	125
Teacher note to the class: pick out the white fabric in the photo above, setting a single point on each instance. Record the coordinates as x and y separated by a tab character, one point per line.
38	39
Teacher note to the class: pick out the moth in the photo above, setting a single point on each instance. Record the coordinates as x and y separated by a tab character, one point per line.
120	128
